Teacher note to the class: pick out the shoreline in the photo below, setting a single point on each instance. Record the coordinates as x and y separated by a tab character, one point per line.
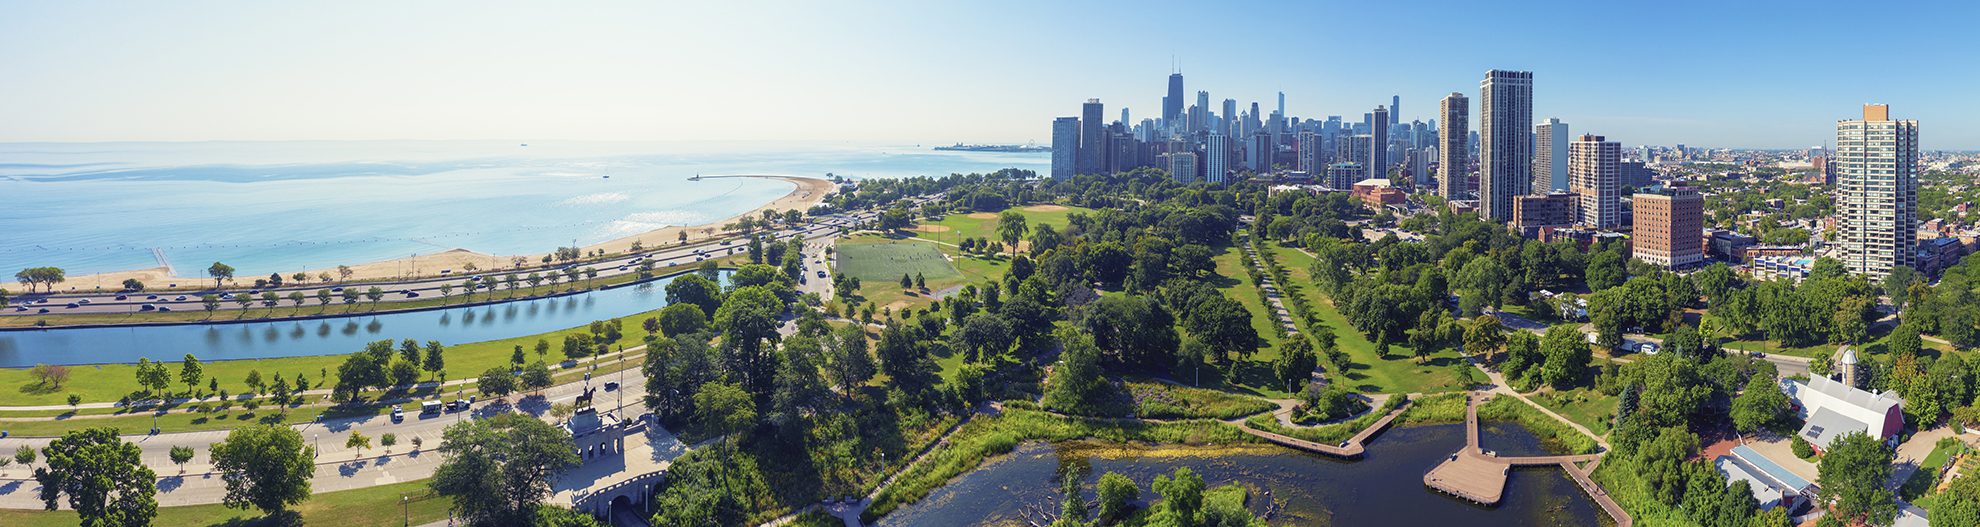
806	193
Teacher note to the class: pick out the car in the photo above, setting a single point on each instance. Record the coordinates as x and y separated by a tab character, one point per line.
83	301
163	309
611	386
821	274
226	296
123	297
72	305
147	307
20	308
410	294
1647	348
254	291
181	298
43	311
398	414
151	297
336	289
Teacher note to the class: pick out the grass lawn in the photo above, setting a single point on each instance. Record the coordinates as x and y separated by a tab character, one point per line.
1585	406
1557	436
110	382
1396	373
954	227
1921	483
366	507
1161	400
879	261
1875	346
1255	372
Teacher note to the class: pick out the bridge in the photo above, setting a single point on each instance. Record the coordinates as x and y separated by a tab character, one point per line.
1352	448
1474	475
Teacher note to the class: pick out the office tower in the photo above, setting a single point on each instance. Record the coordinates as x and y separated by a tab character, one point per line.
1182	166
1395	110
1258	153
1505	122
1196	117
1454	157
1594	177
1254	123
1092	138
1216	157
1065	146
1124	117
1667	227
1378	147
1172	105
1876	163
1550	155
1230	116
1309	152
1203	101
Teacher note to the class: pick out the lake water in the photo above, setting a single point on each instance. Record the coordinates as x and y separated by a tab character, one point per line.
1383	488
329	336
288	206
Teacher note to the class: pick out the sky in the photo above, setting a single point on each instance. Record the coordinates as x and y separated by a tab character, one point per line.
1718	73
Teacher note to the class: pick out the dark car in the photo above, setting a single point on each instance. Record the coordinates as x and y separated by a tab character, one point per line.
611	386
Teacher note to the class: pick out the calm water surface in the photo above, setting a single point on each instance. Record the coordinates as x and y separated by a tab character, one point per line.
1384	488
328	336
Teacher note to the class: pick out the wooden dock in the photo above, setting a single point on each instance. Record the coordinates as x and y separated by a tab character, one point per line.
1353	448
1475	476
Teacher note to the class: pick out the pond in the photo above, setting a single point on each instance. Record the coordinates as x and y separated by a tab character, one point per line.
1288	487
326	336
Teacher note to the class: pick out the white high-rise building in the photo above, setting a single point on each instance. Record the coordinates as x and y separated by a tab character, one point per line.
1310	159
1595	178
1065	146
1453	156
1876	162
1505	125
1216	155
1182	166
1550	156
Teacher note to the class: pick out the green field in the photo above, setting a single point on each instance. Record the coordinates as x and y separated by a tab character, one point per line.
954	227
1397	373
875	259
367	507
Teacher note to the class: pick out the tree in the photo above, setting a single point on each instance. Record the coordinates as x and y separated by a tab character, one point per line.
49	376
388	439
357	440
253	381
104	477
497	382
695	289
24	455
189	372
1605	270
219	272
1011	226
133	285
74	400
1225	325
436	357
1904	340
681	319
542	349
517	358
1959	504
1760	405
498	469
1182	495
265	466
1117	496
1072	508
1565	356
359	371
848	365
536	376
725	409
1076	385
1852	473
180	456
1296	363
404	373
746	319
1484	336
297	298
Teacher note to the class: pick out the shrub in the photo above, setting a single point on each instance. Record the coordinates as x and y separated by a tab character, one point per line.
1801	447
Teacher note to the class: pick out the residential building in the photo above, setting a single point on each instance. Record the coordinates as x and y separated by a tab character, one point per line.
1216	157
1505	126
1342	176
1593	177
1182	167
1635	174
1534	213
1550	156
1876	162
1669	223
1454	157
1378	146
1309	151
1065	146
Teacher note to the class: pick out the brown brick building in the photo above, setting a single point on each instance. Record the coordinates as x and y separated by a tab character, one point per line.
1668	227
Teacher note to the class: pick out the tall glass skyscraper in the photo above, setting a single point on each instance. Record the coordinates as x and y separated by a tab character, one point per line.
1453	152
1065	146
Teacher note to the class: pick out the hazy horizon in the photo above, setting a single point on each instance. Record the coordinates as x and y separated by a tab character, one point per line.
1710	74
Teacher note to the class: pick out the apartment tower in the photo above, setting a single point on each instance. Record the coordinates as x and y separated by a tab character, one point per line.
1594	177
1876	163
1453	156
1505	125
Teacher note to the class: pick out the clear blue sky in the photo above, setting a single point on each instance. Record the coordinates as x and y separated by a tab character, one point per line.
1719	73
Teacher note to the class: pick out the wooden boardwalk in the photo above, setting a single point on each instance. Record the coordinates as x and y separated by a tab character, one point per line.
1352	448
1479	477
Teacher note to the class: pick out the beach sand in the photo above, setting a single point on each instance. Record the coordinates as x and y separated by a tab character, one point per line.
808	192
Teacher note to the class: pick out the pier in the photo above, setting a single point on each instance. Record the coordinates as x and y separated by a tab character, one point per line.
1479	477
1352	448
159	255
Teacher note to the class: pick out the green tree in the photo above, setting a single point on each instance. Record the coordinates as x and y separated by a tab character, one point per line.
1117	496
189	372
180	456
498	469
1959	504
357	441
848	364
220	272
1484	336
695	289
264	466
1072	508
725	410
1011	227
103	476
1566	356
1605	270
436	357
1760	405
1852	473
1660	463
682	319
1296	363
1182	495
1076	385
536	376
497	382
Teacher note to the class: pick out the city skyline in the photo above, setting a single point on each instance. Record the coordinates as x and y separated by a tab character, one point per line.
925	74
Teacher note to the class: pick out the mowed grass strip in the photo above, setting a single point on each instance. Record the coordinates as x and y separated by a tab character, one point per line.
366	507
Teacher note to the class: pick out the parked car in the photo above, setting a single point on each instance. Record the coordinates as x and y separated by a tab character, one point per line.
398	414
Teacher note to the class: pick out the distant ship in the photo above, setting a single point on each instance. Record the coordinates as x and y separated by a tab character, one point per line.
1023	148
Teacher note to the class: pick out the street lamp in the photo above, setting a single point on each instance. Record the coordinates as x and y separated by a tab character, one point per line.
405	514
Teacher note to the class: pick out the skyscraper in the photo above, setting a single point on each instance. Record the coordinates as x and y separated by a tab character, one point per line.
1309	153
1378	147
1505	122
1395	110
1668	225
1093	141
1172	105
1258	154
1594	176
1876	162
1065	146
1216	157
1230	117
1182	167
1453	155
1550	156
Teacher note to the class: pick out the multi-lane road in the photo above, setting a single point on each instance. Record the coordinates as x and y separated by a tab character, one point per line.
823	227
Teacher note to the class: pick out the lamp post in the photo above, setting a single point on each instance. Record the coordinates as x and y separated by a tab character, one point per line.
405	514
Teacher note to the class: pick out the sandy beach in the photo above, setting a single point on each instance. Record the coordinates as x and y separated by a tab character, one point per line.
807	192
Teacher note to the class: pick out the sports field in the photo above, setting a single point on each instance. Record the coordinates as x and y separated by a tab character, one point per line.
876	259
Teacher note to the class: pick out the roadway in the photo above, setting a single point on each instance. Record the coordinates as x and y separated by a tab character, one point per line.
823	227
